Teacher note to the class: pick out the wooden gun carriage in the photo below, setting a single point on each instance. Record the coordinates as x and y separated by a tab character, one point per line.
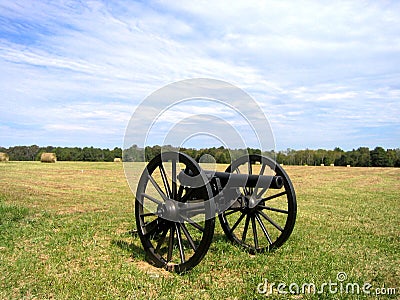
177	203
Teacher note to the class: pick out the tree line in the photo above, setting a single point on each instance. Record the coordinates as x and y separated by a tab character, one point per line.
361	157
32	153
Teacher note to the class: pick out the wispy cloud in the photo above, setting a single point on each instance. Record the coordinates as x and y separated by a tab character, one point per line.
325	75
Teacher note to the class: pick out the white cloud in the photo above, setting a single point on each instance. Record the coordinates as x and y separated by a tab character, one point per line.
318	70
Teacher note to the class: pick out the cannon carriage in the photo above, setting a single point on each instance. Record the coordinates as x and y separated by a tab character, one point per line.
177	203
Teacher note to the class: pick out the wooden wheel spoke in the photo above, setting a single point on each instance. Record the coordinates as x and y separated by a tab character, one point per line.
148	214
182	188
259	194
156	201
188	236
180	243
271	221
237	222
265	231
151	227
273	196
246	227
232	211
161	240
193	223
157	187
174	187
250	168
165	180
262	169
273	209
171	243
255	236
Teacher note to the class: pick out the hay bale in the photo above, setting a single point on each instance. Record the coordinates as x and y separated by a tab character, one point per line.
117	159
332	165
322	165
4	157
48	157
348	166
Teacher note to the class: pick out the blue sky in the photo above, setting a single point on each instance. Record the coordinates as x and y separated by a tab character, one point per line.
325	74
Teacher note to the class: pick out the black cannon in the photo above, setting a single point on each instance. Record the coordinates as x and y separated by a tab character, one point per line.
177	201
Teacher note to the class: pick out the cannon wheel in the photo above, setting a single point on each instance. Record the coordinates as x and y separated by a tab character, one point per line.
179	243
269	224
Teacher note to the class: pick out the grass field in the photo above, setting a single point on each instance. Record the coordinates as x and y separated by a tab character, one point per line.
65	233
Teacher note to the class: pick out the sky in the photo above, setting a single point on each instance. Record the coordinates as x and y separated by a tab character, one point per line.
324	73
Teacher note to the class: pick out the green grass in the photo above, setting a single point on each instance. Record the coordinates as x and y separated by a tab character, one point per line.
65	233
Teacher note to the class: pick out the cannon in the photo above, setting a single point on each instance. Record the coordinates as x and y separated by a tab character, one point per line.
177	202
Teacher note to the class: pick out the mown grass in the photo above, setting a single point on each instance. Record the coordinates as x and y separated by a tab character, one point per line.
66	233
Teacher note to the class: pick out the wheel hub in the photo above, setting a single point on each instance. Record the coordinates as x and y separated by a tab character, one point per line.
249	204
168	210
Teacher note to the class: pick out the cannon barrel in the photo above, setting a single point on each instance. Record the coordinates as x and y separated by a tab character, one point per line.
248	180
234	180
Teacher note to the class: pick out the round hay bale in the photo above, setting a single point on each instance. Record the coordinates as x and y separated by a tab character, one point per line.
48	157
118	159
4	157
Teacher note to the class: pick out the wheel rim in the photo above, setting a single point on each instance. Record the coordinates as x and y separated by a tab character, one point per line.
269	224
173	221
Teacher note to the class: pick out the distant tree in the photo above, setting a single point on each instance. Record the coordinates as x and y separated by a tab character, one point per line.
107	155
379	157
152	152
190	151
77	154
281	158
23	152
319	156
364	158
222	156
342	160
88	154
391	157
133	153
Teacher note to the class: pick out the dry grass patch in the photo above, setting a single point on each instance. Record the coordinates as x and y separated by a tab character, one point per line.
66	233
